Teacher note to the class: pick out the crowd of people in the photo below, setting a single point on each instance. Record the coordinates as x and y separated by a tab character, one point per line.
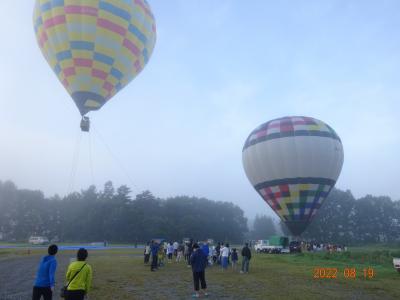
198	256
317	247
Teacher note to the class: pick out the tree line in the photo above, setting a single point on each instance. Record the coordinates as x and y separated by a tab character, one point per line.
112	214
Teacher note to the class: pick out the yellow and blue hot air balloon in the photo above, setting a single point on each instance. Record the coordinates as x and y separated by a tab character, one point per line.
95	47
293	163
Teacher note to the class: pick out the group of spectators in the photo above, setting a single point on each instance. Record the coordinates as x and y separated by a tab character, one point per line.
317	247
78	276
197	256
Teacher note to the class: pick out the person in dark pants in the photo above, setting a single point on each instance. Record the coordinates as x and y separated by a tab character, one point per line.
79	276
190	251
246	256
44	283
154	255
198	260
147	253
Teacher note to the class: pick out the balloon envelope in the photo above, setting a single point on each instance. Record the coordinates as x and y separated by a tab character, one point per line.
95	47
293	163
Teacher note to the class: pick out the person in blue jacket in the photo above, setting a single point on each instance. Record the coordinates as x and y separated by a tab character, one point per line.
45	276
154	255
198	260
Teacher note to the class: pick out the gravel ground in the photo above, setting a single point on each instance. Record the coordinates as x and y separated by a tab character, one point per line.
17	275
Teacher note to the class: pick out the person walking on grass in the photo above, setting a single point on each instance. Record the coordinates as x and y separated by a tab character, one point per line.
79	277
198	260
246	256
235	259
44	283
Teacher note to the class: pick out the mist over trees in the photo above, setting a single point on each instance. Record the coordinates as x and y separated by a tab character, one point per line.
111	214
263	228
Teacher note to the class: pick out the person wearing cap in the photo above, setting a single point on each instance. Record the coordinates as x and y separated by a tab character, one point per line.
198	261
79	277
45	279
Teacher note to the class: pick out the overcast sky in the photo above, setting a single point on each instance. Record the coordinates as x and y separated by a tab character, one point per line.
219	69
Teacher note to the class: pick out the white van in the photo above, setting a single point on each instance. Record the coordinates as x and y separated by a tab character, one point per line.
38	240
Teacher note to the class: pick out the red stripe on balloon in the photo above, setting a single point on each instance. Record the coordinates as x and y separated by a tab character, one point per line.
69	71
83	62
60	19
132	47
81	10
99	74
111	26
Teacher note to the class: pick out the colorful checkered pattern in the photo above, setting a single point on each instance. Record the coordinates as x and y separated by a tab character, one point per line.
290	126
95	47
295	199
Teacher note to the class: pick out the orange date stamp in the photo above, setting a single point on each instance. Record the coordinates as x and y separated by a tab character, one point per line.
347	273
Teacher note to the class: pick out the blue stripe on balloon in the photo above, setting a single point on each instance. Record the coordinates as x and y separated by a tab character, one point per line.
64	55
136	32
145	54
57	69
116	73
105	59
51	4
81	45
119	12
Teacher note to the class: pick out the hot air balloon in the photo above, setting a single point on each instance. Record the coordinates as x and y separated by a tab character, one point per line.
293	163
95	47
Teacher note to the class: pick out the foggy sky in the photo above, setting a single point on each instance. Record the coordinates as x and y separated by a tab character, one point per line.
219	69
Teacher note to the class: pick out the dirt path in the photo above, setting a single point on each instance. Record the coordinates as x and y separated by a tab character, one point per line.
18	273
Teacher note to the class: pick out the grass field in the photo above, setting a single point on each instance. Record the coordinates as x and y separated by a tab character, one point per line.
121	274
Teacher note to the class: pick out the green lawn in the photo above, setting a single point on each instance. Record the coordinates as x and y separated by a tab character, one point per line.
271	276
121	274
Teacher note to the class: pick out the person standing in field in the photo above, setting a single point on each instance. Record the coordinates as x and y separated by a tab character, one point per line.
246	256
190	250
176	245
198	260
206	249
170	252
154	255
180	253
235	259
147	253
44	283
186	252
224	256
79	277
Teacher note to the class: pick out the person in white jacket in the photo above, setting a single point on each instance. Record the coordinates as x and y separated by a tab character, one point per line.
224	256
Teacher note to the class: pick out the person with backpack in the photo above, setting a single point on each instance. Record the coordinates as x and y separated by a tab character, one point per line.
79	277
45	279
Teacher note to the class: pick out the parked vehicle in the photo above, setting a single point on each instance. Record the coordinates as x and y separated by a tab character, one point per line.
261	246
295	247
396	264
276	244
38	240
